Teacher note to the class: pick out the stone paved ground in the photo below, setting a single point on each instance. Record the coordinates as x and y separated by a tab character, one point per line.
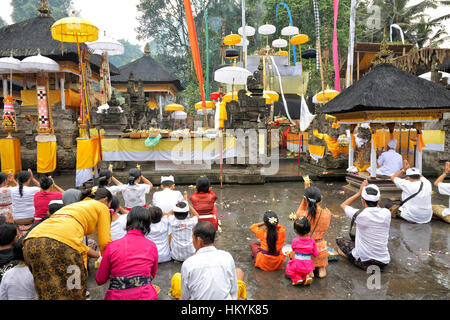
420	261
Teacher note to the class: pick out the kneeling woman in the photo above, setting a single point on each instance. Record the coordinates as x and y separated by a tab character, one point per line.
267	253
55	252
130	263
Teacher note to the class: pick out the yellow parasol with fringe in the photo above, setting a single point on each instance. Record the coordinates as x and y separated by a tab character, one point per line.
76	30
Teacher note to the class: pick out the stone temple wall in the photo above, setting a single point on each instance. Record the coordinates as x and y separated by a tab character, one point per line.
434	161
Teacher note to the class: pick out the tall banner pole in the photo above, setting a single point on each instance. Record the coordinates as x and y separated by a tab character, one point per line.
244	31
351	44
337	81
194	48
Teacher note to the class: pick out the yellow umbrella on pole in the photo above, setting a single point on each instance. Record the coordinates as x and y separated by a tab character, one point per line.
76	30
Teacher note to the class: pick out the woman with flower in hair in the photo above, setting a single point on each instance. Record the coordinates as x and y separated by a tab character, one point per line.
267	253
320	221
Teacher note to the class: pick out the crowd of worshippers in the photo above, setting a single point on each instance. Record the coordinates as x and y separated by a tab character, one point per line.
44	248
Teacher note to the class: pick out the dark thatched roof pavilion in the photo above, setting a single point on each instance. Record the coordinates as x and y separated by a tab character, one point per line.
387	88
149	71
24	39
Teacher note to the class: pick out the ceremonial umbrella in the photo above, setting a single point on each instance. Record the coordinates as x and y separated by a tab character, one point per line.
209	105
289	31
279	43
267	29
249	31
40	64
7	66
299	39
105	46
174	107
178	115
232	75
76	30
323	98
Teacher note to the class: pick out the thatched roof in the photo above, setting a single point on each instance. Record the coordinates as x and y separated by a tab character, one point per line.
149	71
24	39
389	88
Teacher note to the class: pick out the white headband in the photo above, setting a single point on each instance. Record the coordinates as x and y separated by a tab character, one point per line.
369	197
169	178
178	209
412	172
56	201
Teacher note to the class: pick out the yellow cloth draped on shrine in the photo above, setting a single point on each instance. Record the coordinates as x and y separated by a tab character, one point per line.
316	150
88	153
46	156
332	144
10	155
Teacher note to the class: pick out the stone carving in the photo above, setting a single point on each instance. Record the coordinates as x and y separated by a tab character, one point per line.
250	110
140	115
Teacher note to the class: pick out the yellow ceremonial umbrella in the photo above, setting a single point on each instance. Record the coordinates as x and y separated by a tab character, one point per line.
174	107
209	105
232	39
298	40
323	97
76	30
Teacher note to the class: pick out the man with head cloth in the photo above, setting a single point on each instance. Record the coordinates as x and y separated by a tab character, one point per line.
372	230
390	161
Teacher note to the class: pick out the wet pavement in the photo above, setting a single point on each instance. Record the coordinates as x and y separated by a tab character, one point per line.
420	261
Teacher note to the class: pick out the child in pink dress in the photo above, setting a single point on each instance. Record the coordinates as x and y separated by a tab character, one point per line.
300	268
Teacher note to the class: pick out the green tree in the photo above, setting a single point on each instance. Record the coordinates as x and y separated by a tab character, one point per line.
2	22
425	33
27	9
399	12
131	52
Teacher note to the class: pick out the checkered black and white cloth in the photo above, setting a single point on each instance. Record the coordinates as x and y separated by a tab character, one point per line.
317	20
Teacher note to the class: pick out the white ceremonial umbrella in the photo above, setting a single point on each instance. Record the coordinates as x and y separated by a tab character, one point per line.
249	31
232	75
267	29
279	43
39	63
289	31
106	44
8	65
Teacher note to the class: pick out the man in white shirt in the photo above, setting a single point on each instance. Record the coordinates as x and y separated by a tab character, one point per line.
444	188
167	198
210	274
418	209
372	230
390	161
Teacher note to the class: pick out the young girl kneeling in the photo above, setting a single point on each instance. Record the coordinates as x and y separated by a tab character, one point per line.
267	254
300	268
